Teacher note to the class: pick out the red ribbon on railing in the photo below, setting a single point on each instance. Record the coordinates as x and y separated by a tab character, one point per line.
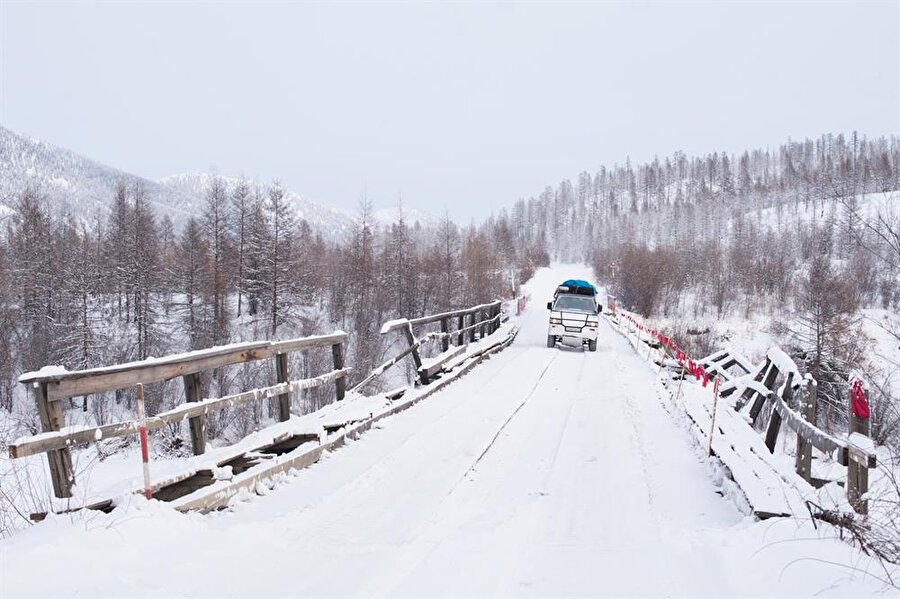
696	370
858	401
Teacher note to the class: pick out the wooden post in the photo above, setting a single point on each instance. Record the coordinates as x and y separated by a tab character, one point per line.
340	384
460	325
281	376
808	398
483	320
53	418
858	474
445	329
775	419
472	330
192	392
417	359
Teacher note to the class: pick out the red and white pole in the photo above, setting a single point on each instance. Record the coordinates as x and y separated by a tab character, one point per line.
145	444
712	426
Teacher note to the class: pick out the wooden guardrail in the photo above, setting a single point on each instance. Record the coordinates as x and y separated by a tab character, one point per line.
756	387
483	320
456	327
51	386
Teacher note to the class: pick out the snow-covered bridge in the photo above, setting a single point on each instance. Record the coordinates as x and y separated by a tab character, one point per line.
541	472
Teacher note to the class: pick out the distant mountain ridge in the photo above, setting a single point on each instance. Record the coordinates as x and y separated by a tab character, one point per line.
76	185
72	183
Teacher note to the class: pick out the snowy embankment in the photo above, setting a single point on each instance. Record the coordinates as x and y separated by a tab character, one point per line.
543	472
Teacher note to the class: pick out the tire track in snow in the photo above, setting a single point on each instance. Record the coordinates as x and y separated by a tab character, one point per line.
503	426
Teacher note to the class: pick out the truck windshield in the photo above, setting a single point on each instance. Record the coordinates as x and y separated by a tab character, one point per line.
575	302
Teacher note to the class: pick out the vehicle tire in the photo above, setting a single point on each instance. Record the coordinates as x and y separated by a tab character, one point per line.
592	345
551	341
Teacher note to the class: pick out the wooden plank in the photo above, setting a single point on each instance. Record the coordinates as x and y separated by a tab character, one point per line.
109	378
436	364
304	343
460	325
185	358
87	382
748	463
43	443
284	399
221	497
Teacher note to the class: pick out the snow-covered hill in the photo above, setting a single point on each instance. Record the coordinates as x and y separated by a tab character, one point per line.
76	185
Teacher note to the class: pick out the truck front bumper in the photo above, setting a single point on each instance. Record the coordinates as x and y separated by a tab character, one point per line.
583	334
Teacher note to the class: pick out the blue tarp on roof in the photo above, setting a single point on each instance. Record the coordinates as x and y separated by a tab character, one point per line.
582	284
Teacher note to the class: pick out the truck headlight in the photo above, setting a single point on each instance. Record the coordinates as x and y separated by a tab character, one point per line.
555	318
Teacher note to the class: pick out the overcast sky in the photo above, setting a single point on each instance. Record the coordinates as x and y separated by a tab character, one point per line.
467	106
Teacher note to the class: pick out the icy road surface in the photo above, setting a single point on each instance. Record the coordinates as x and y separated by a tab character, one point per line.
543	472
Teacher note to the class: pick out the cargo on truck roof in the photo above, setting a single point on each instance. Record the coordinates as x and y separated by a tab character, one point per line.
576	286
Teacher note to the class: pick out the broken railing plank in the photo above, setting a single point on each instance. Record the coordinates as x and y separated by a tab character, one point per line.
431	367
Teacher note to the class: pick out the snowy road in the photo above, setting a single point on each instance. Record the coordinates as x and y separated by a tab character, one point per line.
543	472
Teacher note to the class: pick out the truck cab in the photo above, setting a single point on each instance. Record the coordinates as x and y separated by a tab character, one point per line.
574	315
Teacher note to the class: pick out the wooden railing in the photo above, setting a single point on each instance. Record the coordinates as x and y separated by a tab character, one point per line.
757	387
456	327
50	388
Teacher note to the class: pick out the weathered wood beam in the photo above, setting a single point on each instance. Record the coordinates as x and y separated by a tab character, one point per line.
436	364
62	439
98	380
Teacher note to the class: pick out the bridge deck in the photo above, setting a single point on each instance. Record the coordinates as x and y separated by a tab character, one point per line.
543	472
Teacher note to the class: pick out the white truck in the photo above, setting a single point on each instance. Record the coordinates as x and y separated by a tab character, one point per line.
574	314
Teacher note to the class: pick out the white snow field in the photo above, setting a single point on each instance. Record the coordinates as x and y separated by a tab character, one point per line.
544	472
